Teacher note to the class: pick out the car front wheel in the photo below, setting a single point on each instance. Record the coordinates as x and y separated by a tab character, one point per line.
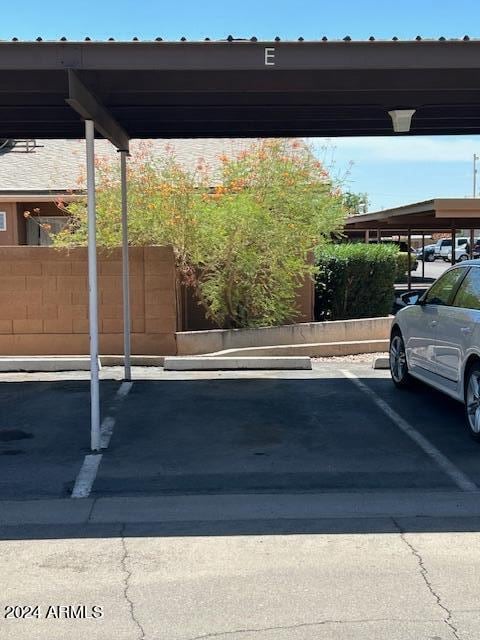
472	401
398	361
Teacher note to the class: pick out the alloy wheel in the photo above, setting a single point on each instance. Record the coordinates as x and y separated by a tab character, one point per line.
473	402
398	359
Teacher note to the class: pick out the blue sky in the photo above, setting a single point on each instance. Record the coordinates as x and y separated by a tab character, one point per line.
382	167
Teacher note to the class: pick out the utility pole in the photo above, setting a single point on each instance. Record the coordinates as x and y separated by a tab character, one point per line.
475	158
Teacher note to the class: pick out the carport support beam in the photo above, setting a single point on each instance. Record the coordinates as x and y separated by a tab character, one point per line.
409	276
125	269
92	289
423	256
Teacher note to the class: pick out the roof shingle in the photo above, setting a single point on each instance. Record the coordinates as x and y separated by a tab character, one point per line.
58	165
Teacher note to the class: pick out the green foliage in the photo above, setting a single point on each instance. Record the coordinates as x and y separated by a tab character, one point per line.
355	203
402	266
355	280
243	245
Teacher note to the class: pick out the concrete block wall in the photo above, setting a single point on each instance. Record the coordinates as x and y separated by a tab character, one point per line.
44	301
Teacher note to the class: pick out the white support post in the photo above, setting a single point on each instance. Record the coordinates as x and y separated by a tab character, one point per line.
125	268
92	288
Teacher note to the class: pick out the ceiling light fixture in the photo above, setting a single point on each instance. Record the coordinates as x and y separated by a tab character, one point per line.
401	119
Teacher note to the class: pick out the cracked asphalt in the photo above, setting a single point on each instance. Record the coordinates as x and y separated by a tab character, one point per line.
365	579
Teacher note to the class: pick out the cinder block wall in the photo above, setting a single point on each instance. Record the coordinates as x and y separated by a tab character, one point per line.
44	301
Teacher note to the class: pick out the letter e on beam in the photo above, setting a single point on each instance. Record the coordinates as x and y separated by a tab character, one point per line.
270	56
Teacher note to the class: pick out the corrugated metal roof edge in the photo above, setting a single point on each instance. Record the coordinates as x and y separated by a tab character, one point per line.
232	39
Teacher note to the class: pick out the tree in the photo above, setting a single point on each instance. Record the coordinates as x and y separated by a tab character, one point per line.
243	244
355	203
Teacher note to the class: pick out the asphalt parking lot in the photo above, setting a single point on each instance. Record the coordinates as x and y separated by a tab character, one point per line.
245	432
43	433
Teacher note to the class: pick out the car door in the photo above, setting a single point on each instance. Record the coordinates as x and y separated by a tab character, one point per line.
447	351
424	319
445	247
458	328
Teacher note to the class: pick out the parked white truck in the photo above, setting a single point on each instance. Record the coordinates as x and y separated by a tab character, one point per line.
443	247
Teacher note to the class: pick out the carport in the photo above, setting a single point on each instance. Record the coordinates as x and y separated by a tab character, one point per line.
243	88
441	215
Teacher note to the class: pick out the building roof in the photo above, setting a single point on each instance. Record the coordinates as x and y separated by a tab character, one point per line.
236	88
57	166
441	214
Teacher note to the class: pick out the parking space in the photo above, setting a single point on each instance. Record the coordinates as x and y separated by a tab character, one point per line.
309	431
44	433
433	270
437	417
243	432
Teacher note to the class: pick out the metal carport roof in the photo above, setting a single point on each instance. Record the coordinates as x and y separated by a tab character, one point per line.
439	214
243	88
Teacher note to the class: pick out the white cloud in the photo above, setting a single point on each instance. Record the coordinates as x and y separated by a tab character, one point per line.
405	148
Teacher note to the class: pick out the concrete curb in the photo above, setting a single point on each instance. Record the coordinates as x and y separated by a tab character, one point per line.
227	508
337	331
313	350
381	362
10	364
136	361
44	363
214	363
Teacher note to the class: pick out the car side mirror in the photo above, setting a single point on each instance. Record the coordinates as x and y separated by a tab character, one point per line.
411	297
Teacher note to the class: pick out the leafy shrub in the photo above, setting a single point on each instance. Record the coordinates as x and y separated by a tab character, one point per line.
402	266
355	280
241	237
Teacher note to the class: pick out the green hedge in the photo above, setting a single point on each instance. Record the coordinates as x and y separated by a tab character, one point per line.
355	280
402	266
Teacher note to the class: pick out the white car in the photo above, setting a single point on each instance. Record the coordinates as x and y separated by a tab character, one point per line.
463	252
460	254
443	247
436	339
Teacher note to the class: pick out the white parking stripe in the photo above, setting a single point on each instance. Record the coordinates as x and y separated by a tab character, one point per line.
87	475
454	473
124	389
106	430
88	472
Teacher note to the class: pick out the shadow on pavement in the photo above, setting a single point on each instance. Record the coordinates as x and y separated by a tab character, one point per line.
333	526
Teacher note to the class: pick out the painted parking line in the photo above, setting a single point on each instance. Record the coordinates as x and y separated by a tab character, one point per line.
106	428
462	481
106	431
86	477
88	472
124	389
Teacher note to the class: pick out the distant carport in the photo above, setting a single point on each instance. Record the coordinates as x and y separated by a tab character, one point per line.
225	89
441	215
